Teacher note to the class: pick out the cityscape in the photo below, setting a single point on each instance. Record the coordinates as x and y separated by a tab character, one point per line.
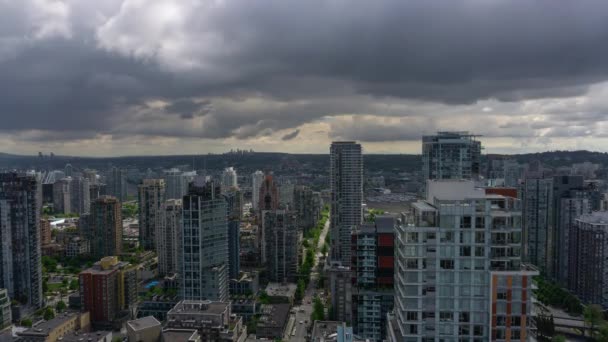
303	170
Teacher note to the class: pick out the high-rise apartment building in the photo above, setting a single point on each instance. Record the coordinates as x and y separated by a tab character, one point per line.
451	155
177	182
346	181
95	191
268	194
282	245
169	237
256	182
117	184
62	203
20	260
103	227
80	193
108	288
151	196
538	221
307	204
229	178
458	268
204	243
234	248
588	260
45	232
373	271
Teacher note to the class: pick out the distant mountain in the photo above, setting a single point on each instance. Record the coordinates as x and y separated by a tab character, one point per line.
558	158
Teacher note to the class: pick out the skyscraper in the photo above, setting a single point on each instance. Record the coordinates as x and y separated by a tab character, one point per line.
176	182
20	260
268	194
62	203
256	182
117	184
151	195
229	178
234	248
169	237
538	221
458	268
307	205
204	243
346	181
80	193
103	227
282	245
451	155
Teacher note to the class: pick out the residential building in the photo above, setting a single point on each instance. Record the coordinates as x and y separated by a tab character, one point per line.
451	155
341	290
458	268
282	245
55	329
212	319
373	277
107	289
157	306
256	182
234	249
346	181
177	182
80	193
268	200
62	203
151	195
588	265
20	260
286	189
77	247
281	292
103	227
45	232
248	283
204	243
117	184
307	205
229	178
96	190
169	237
145	329
538	221
6	315
272	321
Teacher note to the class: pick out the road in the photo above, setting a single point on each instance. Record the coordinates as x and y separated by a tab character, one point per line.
306	307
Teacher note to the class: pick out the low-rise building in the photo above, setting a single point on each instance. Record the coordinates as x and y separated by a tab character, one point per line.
281	292
273	320
57	328
77	247
145	329
5	309
244	307
181	335
247	284
213	320
96	336
157	306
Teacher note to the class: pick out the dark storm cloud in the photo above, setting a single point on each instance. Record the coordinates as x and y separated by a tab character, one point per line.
95	69
291	136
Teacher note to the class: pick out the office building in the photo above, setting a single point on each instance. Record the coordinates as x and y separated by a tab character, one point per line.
346	181
588	265
91	176
204	243
256	182
62	203
108	290
169	237
80	193
282	245
458	268
229	178
538	221
212	320
151	196
234	249
63	324
373	277
103	227
6	315
451	155
117	183
20	260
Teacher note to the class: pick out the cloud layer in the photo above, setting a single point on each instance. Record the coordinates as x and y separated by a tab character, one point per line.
177	72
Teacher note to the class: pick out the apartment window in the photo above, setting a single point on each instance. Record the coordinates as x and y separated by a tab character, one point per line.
447	237
501	320
464	330
446	264
464	317
446	316
480	237
480	222
411	264
413	329
478	330
515	321
411	315
411	237
465	222
480	251
515	335
465	251
501	295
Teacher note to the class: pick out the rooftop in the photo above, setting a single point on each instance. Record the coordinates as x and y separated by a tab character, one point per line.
274	315
281	290
43	328
199	306
144	323
595	218
180	335
81	337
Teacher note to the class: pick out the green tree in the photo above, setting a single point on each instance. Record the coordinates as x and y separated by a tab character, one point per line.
26	322
558	338
48	313
593	316
603	332
318	310
45	286
545	326
61	306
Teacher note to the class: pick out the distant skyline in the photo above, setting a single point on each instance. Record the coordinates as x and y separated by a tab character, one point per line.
162	77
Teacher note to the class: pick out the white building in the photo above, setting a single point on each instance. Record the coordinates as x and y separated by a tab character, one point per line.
256	182
229	178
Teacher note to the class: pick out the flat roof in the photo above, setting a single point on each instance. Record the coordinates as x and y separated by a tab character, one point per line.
144	323
199	306
277	289
274	315
43	328
179	335
79	337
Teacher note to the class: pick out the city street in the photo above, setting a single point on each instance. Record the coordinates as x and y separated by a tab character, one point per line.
305	310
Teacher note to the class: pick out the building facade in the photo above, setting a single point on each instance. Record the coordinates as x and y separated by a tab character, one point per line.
117	183
20	260
169	237
256	182
307	204
346	181
212	319
234	248
538	221
451	155
103	227
80	194
204	244
282	245
62	203
458	268
151	196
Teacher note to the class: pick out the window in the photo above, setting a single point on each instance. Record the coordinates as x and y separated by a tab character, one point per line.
465	222
411	264
413	329
501	295
411	315
480	237
478	330
501	320
446	264
464	317
447	237
465	251
411	237
480	222
463	330
446	316
480	251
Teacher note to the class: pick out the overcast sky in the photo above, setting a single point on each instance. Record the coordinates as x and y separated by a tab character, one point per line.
126	77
